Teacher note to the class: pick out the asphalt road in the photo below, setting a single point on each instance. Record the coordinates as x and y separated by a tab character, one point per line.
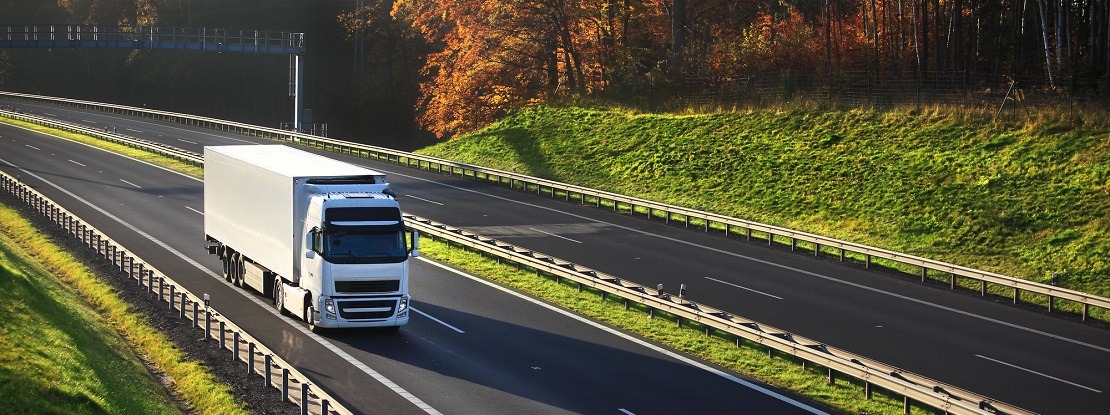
1039	362
472	348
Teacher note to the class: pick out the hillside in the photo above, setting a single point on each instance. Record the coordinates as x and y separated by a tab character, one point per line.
1022	198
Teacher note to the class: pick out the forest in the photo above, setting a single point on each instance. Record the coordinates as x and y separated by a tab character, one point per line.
422	70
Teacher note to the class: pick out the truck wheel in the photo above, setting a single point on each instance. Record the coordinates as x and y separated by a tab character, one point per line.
279	298
309	311
240	269
227	267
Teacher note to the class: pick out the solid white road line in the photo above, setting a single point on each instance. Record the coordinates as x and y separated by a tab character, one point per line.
194	210
557	236
768	263
743	287
303	330
79	164
425	200
673	355
438	321
133	184
1038	373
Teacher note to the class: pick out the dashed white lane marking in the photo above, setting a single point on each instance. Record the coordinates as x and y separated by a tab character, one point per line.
182	140
743	287
194	210
626	412
438	321
79	164
134	130
557	236
133	184
425	200
36	148
90	121
1038	373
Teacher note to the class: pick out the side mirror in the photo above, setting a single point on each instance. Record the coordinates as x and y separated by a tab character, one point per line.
310	254
415	251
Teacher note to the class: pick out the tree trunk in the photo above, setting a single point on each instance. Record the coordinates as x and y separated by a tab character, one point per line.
1044	38
678	36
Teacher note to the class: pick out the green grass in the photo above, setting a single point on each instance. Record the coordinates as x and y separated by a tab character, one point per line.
68	344
1024	197
750	359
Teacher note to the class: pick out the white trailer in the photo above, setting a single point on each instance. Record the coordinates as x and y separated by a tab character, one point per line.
323	238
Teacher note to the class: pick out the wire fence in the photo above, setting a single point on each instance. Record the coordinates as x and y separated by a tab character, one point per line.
872	89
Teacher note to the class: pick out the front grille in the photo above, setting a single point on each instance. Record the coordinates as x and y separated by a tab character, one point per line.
378	286
344	306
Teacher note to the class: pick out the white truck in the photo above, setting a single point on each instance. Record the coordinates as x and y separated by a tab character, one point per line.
323	238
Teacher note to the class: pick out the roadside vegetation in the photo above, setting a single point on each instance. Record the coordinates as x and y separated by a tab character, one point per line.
1023	197
70	345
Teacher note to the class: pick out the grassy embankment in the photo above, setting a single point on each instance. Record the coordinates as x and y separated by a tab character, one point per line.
1022	198
70	345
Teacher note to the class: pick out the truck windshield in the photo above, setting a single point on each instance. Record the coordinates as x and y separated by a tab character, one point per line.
364	244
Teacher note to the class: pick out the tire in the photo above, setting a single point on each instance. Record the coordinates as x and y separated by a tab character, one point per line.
279	298
227	267
240	270
308	312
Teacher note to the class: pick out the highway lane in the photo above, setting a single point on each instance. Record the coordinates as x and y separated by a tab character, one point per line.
499	354
1011	354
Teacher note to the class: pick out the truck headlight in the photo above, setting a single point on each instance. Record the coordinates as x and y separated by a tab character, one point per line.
329	308
403	307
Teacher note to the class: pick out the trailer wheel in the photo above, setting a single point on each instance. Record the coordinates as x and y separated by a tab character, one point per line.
240	270
227	266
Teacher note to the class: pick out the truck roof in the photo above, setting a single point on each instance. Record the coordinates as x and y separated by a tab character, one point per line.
294	163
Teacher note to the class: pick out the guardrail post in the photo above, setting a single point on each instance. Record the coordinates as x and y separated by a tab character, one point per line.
284	385
867	389
952	281
832	376
1086	311
867	260
150	282
142	272
906	405
207	325
1051	300
223	336
982	288
304	399
173	296
268	362
324	407
1017	294
196	314
923	272
235	348
250	358
161	290
181	311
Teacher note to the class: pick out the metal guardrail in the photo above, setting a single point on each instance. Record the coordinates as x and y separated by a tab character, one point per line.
618	202
873	373
257	358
